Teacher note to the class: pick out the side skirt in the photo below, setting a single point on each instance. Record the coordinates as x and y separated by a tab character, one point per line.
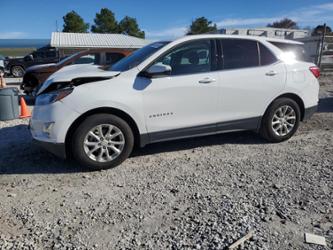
216	128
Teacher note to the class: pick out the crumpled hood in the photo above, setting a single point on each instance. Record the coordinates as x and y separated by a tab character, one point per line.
72	72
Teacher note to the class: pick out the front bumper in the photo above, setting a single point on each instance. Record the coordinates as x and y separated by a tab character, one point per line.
308	112
57	149
50	123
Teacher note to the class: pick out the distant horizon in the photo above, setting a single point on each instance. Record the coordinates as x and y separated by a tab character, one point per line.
24	43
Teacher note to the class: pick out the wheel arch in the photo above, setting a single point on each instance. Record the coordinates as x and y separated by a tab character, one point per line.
102	110
293	97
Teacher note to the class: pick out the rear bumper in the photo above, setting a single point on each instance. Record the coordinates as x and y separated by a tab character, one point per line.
308	112
57	149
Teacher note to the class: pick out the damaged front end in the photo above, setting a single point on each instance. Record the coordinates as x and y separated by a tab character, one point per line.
58	90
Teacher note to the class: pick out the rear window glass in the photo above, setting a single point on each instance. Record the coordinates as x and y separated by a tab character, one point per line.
239	53
297	49
88	59
112	58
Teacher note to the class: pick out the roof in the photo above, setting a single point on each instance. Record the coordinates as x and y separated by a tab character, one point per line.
257	38
93	40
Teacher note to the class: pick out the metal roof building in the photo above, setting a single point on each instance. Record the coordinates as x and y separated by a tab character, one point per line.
69	43
93	40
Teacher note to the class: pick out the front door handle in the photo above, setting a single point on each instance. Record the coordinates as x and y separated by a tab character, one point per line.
207	80
271	73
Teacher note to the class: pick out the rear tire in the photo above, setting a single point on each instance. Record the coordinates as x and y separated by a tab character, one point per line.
102	141
281	120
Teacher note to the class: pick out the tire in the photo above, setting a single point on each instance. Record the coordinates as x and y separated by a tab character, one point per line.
17	71
281	120
96	151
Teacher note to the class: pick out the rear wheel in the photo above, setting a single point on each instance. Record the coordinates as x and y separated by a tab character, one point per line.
17	71
281	120
102	141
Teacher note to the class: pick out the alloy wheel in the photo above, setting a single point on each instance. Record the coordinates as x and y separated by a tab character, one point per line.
284	120
104	143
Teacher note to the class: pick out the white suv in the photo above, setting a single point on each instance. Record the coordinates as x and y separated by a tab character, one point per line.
194	86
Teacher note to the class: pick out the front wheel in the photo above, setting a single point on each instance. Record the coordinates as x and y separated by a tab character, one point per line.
102	141
281	120
17	71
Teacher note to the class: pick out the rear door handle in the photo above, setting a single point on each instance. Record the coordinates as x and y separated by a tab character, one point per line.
271	73
207	80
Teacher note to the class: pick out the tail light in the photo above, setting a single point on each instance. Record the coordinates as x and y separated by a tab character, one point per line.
315	71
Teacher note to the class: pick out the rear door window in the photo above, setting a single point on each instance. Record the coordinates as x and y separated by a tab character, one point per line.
239	53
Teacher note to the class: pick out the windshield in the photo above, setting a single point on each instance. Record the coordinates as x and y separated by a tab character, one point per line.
137	57
66	59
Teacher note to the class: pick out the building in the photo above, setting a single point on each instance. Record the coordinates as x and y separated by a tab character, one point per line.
69	43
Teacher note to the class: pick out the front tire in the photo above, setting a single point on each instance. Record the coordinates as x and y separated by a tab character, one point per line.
102	141
281	120
17	71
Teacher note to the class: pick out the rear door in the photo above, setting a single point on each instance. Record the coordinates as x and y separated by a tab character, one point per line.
250	77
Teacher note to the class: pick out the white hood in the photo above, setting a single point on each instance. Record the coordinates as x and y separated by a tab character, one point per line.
67	74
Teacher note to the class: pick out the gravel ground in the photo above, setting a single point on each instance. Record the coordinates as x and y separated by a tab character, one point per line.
201	193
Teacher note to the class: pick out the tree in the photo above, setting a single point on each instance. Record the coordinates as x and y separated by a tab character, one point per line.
105	22
201	25
284	24
73	22
130	26
319	30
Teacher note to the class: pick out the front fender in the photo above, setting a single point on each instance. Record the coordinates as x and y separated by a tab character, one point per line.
81	102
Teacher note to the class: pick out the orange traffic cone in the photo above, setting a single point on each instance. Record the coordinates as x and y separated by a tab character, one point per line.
25	112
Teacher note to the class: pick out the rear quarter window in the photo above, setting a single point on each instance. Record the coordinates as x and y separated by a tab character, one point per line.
297	49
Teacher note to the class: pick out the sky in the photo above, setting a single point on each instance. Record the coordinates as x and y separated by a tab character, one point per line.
36	19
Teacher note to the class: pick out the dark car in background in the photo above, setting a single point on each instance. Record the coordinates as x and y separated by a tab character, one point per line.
17	66
36	75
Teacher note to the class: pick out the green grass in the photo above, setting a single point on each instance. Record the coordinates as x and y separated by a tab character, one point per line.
15	51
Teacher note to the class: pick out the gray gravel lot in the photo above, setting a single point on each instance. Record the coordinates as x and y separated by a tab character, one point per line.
201	193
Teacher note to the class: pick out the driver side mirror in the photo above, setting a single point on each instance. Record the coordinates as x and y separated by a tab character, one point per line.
157	70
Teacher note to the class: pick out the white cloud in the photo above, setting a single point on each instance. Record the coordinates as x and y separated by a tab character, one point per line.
305	16
12	35
245	21
167	33
326	6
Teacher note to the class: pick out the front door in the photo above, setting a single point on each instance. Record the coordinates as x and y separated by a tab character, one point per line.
184	103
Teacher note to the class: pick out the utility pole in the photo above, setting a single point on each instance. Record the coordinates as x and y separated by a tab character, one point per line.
322	45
